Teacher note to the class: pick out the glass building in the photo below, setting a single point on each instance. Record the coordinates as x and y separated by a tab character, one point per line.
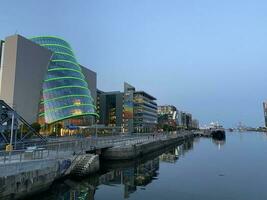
65	95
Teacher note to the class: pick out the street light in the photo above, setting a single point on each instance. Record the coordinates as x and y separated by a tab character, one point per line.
10	148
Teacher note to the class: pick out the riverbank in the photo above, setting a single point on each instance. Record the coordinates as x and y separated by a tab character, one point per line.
132	151
18	180
197	169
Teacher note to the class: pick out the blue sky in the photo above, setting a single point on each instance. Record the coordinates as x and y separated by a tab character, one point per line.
206	57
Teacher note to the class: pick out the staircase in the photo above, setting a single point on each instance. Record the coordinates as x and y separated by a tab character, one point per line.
85	164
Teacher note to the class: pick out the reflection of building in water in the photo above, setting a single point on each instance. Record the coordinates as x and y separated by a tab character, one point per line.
128	181
132	177
173	155
187	146
78	191
146	172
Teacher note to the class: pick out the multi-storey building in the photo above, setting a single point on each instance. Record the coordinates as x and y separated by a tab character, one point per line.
186	120
110	108
42	80
145	112
195	124
139	111
167	117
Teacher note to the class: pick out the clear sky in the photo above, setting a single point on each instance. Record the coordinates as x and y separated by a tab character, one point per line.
207	57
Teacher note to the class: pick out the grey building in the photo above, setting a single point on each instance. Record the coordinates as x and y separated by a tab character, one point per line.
139	111
145	112
22	71
186	120
91	79
110	108
195	124
24	67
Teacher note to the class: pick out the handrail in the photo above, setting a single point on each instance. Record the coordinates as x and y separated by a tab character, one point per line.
63	149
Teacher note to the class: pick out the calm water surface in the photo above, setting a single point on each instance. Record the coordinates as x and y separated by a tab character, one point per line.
201	169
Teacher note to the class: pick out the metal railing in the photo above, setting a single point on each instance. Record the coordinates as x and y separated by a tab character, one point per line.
62	149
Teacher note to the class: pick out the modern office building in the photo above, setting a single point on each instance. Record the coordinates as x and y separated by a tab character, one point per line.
167	109
128	108
139	111
145	112
167	117
195	124
110	105
186	120
41	79
265	112
131	110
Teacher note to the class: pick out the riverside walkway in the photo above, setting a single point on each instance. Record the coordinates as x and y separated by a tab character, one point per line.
65	147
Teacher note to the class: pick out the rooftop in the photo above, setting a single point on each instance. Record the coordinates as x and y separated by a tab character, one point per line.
145	94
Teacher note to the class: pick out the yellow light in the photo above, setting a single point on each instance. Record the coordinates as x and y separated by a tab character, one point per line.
77	102
77	112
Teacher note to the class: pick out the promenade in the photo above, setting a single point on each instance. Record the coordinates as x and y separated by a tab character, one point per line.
60	148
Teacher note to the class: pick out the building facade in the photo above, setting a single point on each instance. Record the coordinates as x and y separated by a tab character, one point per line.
139	111
110	108
128	108
167	117
133	111
41	79
186	120
195	124
145	112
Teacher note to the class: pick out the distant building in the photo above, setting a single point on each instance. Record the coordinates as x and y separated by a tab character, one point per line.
139	111
145	112
133	111
167	109
167	117
186	120
128	108
110	108
195	124
265	112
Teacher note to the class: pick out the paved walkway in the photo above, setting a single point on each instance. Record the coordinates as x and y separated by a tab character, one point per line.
67	147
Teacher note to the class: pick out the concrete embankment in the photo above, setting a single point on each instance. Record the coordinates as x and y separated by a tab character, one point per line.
25	178
19	180
132	151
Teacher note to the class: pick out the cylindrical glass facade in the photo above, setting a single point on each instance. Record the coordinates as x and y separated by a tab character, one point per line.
65	92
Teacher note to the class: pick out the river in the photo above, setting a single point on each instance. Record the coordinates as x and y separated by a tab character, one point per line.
199	169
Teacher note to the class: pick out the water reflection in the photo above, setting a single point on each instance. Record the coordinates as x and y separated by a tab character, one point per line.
173	155
131	175
219	142
174	173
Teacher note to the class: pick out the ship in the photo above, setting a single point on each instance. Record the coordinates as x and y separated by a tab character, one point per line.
217	131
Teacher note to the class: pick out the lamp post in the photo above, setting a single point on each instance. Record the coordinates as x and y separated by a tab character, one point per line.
11	136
